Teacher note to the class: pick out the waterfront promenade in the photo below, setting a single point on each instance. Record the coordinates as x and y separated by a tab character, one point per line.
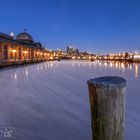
50	100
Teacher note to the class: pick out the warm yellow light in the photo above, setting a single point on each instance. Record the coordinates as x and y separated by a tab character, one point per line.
78	57
24	51
136	70
13	51
130	67
51	57
89	57
105	64
73	57
111	65
122	65
137	56
116	65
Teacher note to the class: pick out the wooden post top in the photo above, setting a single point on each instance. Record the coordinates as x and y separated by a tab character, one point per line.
107	81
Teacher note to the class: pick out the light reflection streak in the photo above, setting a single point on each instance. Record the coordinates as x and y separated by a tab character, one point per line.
105	64
41	68
123	66
26	73
89	65
111	65
136	70
130	67
51	65
15	76
38	69
118	65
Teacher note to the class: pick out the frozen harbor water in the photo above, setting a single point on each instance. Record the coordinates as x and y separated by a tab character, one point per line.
49	101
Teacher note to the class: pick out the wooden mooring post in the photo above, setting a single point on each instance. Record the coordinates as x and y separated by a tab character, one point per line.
107	103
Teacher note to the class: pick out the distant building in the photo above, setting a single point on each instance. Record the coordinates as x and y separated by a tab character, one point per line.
71	51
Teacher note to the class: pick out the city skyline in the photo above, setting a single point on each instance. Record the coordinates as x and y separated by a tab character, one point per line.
94	26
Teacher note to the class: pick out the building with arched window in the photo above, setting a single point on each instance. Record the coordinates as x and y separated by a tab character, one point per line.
20	49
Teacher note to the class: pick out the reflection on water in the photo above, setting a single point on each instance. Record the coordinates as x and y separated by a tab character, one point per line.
136	70
41	68
51	65
112	64
15	76
130	67
123	66
26	73
96	65
105	64
45	76
38	68
89	64
73	64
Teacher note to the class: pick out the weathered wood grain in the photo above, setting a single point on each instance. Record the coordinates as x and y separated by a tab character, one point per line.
107	107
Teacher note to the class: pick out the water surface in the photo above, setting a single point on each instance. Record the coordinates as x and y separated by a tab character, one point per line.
50	101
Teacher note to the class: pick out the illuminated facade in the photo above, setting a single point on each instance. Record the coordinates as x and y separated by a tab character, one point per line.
21	49
72	51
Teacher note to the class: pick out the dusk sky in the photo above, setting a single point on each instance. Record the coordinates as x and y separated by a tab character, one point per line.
103	26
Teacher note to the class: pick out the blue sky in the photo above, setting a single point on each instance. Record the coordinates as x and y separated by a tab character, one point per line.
103	26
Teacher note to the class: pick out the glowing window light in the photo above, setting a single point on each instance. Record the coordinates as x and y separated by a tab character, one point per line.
136	56
73	57
78	57
51	57
24	51
14	51
89	57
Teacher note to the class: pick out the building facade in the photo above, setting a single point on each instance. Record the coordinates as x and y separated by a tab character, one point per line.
71	51
20	49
